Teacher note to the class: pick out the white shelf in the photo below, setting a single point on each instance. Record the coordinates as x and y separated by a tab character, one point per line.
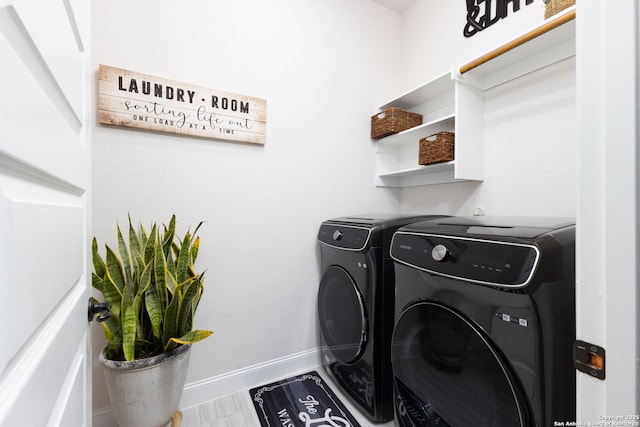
397	155
435	89
446	123
455	102
439	173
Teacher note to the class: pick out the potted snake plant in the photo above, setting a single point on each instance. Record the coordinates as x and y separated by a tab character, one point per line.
154	290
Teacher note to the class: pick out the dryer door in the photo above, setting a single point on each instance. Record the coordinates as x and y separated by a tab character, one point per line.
448	374
342	315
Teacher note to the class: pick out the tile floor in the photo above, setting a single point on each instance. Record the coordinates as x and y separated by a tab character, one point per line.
237	410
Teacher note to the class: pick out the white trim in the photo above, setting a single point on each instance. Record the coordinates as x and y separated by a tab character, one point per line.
608	229
103	418
202	391
252	376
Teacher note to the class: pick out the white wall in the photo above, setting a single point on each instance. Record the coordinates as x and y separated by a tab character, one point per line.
317	63
530	123
322	66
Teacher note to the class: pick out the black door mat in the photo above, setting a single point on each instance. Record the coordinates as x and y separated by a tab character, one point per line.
300	401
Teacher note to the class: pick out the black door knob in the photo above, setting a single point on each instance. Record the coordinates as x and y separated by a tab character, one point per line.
101	309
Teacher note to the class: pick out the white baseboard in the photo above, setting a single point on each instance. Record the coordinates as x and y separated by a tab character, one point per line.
242	379
252	376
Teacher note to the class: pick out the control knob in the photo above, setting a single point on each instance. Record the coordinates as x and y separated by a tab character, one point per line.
337	235
439	253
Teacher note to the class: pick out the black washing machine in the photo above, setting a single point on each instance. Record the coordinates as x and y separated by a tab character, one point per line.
355	307
485	322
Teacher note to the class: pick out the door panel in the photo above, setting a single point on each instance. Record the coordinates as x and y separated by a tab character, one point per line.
44	195
51	236
343	320
49	363
59	48
446	373
43	127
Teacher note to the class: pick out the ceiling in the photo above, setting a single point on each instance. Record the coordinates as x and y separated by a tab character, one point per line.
398	5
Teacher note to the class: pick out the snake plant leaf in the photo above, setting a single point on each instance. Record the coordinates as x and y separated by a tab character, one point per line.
114	270
142	321
97	282
150	245
155	312
113	286
129	318
192	336
145	283
98	263
134	240
185	314
196	300
143	236
110	292
171	264
128	293
182	272
145	279
160	272
129	323
194	305
194	250
124	253
138	262
109	335
114	349
169	235
197	227
175	248
171	282
112	329
169	325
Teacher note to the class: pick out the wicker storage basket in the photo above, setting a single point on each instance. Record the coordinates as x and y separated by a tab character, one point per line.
436	148
393	120
556	6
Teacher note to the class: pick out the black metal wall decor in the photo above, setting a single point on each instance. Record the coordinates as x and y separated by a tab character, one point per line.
482	14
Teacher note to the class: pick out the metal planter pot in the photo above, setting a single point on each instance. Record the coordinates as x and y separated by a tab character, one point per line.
146	392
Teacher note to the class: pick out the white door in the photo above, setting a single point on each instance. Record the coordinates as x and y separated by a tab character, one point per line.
45	356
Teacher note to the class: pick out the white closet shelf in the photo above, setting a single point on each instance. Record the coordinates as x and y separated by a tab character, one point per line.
549	43
439	173
455	102
446	123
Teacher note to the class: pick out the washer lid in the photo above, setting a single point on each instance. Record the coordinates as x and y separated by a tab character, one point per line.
378	219
359	232
519	227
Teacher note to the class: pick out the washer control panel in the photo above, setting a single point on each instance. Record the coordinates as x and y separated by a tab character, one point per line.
476	260
344	237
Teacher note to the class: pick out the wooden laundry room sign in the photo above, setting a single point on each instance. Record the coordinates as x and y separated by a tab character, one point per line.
141	101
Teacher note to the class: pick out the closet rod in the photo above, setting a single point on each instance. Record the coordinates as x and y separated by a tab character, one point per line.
519	41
